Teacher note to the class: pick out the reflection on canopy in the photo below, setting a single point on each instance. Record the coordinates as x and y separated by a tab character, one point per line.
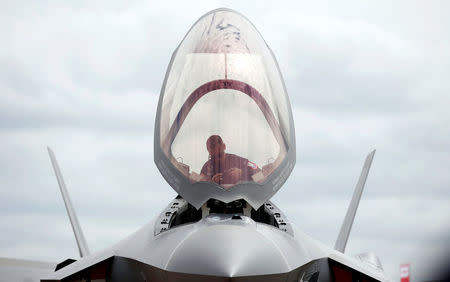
223	87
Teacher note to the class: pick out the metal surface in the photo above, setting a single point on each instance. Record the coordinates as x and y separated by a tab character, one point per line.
125	269
216	245
279	217
223	246
371	259
167	215
220	246
346	227
77	231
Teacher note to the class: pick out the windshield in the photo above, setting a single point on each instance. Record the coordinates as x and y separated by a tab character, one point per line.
224	115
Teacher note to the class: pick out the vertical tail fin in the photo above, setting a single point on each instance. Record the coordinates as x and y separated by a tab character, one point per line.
346	227
81	242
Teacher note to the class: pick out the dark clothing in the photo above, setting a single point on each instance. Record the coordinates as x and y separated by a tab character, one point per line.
229	161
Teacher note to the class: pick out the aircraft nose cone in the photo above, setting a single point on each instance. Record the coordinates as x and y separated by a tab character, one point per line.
222	246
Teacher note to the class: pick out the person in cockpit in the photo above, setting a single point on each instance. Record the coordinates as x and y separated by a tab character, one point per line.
223	168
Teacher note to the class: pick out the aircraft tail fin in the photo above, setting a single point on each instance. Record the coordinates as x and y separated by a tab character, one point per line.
346	227
78	232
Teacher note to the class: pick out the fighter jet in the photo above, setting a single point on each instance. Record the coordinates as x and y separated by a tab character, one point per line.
225	142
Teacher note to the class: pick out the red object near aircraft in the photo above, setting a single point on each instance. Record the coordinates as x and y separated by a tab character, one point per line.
404	272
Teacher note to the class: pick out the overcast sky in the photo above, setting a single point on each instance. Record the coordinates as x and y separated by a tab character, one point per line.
83	77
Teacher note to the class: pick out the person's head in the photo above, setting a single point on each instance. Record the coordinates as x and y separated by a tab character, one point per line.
215	146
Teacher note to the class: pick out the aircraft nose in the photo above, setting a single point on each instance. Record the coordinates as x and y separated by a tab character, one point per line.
227	247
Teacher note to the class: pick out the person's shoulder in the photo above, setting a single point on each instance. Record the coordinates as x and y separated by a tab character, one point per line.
236	157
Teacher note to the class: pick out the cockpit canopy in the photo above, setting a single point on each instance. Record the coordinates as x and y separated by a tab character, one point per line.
224	124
